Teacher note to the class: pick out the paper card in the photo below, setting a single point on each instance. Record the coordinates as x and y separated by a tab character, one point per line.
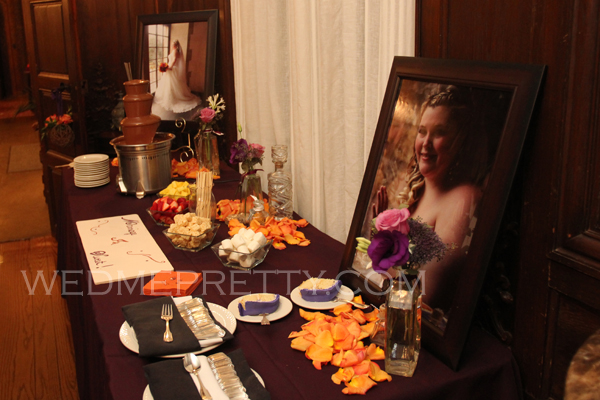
120	248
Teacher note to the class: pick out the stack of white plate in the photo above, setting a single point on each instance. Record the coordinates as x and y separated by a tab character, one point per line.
91	170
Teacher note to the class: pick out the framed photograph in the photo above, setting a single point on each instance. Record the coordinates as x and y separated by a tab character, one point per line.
176	52
447	144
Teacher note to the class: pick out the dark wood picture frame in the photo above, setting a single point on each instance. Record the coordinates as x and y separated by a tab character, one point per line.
519	85
210	17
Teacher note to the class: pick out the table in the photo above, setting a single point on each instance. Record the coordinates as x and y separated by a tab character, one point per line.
107	370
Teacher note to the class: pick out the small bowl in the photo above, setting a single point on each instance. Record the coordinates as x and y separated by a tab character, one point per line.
164	218
247	261
192	243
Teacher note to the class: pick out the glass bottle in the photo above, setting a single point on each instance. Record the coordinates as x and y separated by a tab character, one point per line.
403	324
207	151
258	212
280	185
249	188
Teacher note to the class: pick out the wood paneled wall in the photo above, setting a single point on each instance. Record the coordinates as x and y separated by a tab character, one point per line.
557	190
108	31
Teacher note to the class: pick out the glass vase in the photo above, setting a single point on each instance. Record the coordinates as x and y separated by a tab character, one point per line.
403	324
249	186
207	151
280	185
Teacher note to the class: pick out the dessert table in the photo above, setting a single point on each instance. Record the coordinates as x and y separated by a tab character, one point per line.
106	369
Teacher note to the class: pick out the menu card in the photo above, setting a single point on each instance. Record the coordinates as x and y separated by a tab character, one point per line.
120	248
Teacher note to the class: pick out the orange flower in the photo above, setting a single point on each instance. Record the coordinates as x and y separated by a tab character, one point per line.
65	119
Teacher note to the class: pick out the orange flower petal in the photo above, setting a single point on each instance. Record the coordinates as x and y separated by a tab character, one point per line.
279	245
342	308
359	384
372	316
359	316
318	353
362	368
297	334
342	375
324	339
300	343
339	332
377	374
347	344
375	353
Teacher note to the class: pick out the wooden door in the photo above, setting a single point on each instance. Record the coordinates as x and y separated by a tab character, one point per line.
53	53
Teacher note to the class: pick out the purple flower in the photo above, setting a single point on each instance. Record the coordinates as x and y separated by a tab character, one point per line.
239	151
388	249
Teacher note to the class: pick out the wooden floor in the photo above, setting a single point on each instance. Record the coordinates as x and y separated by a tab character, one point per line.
36	354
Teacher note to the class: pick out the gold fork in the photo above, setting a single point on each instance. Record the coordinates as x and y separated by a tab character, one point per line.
167	315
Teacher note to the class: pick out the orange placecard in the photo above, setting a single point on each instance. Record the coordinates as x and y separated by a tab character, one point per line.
173	283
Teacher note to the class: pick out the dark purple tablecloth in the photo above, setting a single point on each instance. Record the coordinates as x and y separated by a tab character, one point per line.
106	369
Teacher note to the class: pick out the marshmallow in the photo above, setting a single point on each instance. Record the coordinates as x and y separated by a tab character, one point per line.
253	246
237	241
260	238
247	262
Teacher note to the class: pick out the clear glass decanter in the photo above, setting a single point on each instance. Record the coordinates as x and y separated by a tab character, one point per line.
280	185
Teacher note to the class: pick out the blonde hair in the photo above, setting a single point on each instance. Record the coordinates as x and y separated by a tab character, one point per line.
460	113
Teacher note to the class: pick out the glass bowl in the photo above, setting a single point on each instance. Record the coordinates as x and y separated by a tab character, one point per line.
247	261
165	218
190	242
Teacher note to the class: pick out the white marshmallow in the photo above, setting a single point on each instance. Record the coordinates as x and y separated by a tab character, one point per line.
253	246
223	253
237	241
248	235
247	262
234	257
227	245
260	238
243	249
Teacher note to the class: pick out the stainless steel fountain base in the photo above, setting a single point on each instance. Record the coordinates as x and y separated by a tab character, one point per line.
144	168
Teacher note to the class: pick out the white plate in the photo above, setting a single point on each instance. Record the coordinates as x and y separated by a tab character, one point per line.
90	158
148	394
221	314
92	185
285	307
345	293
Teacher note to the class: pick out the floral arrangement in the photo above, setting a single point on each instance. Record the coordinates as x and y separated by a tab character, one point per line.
163	67
56	121
209	116
401	241
249	154
60	120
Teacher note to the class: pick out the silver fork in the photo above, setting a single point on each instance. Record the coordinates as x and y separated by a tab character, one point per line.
167	315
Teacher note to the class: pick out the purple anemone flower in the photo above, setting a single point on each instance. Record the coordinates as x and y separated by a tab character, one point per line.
388	249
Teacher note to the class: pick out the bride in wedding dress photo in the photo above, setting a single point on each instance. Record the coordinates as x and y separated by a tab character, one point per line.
173	97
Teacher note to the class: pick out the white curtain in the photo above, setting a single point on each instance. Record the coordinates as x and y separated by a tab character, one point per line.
311	74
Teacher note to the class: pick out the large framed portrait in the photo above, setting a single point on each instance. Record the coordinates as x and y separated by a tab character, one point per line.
176	52
446	146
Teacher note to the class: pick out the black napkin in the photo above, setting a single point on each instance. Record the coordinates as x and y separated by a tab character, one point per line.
169	380
149	328
255	390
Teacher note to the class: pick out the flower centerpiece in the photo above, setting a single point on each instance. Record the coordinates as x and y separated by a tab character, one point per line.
207	151
248	155
58	126
403	244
